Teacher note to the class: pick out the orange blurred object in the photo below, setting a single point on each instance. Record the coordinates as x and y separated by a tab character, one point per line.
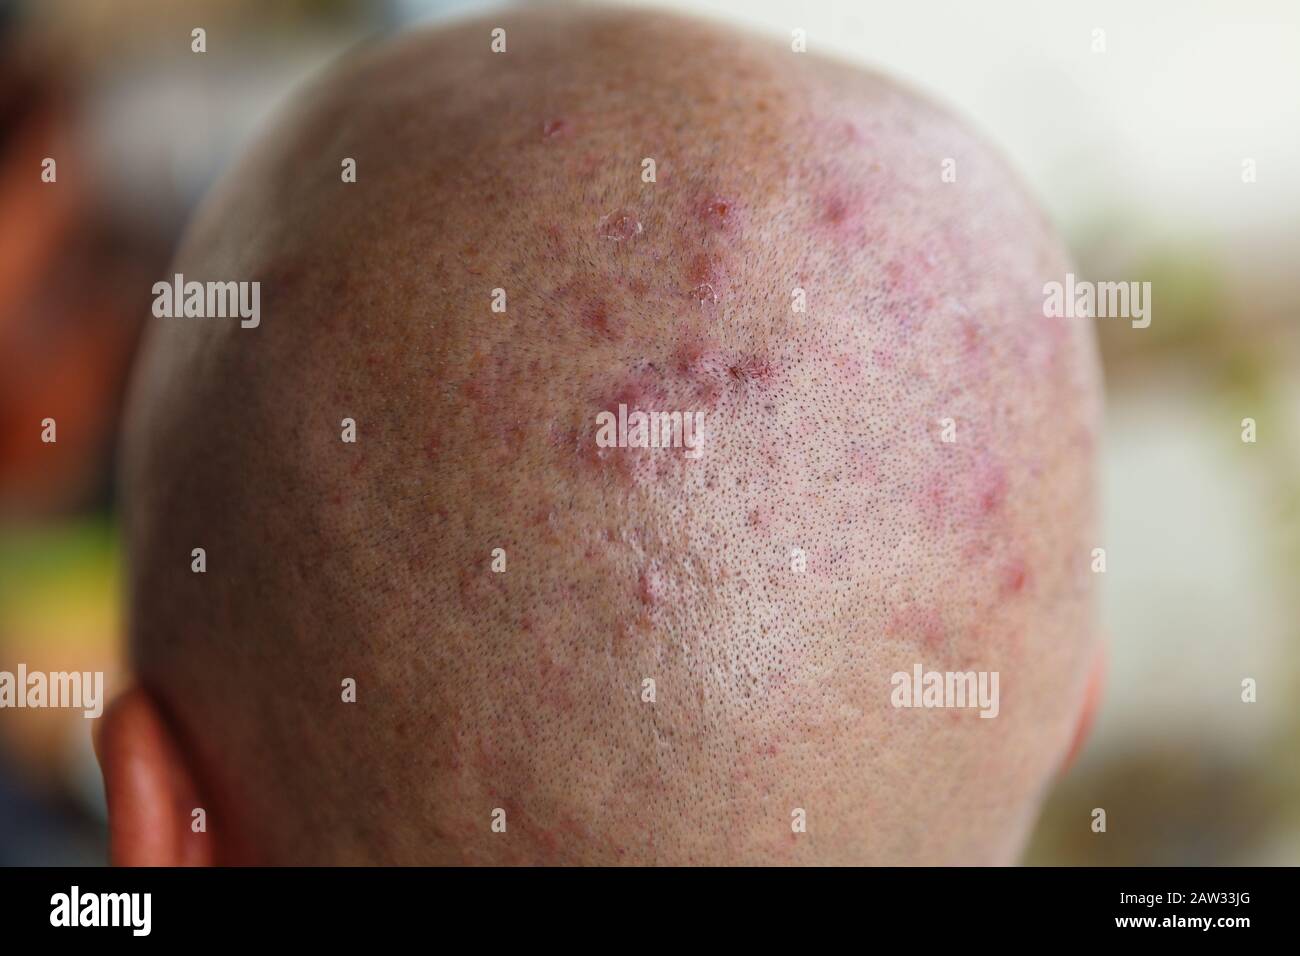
71	305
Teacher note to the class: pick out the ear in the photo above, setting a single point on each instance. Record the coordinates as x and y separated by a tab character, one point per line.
1091	702
151	791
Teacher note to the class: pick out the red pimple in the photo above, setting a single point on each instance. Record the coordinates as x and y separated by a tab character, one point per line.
638	391
717	211
702	276
842	213
512	434
990	487
554	128
597	316
702	268
467	257
936	498
650	586
475	389
1015	577
485	374
835	210
897	278
705	369
908	274
698	360
972	340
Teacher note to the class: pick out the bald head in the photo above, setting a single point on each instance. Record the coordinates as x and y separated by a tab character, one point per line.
680	654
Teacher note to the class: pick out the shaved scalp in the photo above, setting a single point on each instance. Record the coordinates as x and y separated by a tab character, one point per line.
897	473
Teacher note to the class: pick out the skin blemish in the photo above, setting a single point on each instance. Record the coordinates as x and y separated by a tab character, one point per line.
704	370
709	372
920	625
554	128
475	587
717	212
695	360
555	243
897	278
974	346
850	134
1015	578
511	435
842	214
624	465
910	274
702	268
467	258
619	226
480	388
751	369
990	487
639	391
597	316
650	586
702	277
835	210
935	500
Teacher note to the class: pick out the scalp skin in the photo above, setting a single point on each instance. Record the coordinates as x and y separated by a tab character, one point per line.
522	690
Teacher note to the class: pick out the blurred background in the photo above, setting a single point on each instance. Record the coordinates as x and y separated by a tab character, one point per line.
1163	137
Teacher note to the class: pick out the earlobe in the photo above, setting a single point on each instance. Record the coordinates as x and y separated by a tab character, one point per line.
152	793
